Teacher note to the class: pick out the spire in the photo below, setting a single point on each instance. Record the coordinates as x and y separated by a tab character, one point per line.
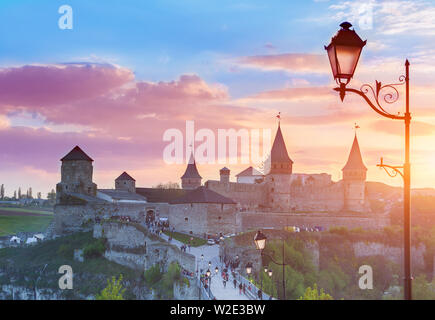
279	150
191	170
355	162
76	154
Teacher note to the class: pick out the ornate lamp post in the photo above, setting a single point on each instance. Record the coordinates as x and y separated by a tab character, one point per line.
260	244
343	53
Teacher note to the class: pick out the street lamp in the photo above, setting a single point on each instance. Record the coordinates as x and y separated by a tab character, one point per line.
249	268
269	272
260	244
260	240
343	52
216	270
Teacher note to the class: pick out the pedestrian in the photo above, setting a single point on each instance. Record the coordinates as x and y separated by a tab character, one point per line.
260	294
225	283
235	283
244	288
240	289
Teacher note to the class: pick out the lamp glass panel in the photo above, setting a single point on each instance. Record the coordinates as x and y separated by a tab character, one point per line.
332	60
347	57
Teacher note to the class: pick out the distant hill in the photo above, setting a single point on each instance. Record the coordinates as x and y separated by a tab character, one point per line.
378	190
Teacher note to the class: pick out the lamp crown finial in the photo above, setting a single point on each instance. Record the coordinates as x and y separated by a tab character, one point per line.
346	25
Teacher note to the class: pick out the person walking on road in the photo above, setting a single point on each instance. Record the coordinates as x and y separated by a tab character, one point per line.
240	289
235	283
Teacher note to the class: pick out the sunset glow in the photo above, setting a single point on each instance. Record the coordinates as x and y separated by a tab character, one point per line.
220	64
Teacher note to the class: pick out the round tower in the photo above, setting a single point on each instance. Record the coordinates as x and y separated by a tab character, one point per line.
224	175
354	178
76	174
125	182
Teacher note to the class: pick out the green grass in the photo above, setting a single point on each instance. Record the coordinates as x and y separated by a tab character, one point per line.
197	242
12	224
29	210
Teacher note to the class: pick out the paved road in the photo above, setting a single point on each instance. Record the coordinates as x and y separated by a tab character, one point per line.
211	253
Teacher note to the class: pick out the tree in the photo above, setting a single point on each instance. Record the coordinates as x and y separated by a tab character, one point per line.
2	191
51	196
314	294
39	195
29	193
167	185
423	290
15	195
19	193
113	291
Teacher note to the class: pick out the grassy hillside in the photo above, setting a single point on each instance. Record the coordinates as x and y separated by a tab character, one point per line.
12	210
24	266
12	224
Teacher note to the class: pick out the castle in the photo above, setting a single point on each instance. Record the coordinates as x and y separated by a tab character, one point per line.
217	207
281	190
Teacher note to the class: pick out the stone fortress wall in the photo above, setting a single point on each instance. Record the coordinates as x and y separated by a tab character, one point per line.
201	219
247	195
133	246
255	220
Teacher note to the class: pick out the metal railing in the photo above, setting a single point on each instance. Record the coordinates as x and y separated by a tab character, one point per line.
204	293
251	290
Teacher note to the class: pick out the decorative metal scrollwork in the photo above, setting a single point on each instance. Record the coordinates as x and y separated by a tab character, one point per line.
390	97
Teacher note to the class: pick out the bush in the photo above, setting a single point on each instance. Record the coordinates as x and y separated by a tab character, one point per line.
113	291
65	251
343	231
314	294
95	249
186	282
153	275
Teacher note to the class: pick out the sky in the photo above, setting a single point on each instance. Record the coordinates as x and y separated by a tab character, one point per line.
130	70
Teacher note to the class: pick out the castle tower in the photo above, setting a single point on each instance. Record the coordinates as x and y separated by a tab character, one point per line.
279	176
76	174
191	178
354	177
125	182
224	175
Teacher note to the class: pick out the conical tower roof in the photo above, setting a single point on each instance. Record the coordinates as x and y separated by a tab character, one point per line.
76	154
191	170
279	150
355	162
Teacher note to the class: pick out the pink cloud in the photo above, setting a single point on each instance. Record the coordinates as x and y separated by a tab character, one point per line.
293	62
56	84
295	94
396	127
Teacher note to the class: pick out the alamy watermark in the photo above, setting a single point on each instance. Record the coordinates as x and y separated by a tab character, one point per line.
66	281
366	280
66	20
228	146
